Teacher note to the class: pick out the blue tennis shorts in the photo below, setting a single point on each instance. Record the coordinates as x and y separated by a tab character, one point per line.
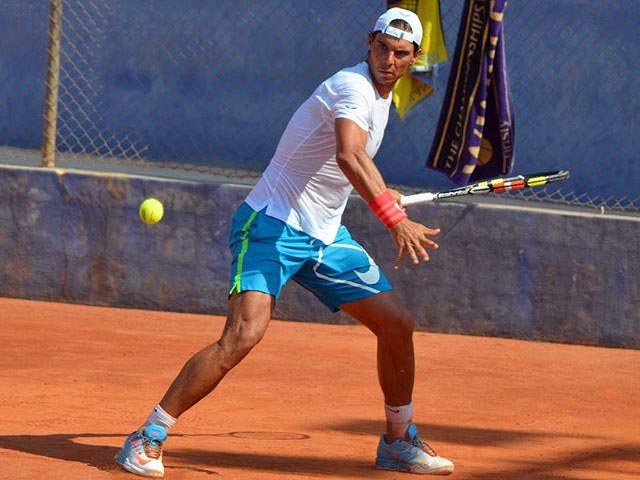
267	253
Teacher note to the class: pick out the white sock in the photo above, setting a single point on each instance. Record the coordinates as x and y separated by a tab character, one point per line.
401	414
160	417
398	419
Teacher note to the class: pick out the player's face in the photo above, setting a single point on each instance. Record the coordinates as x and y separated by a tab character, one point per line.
389	58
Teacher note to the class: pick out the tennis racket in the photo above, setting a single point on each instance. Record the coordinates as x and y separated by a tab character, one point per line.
496	185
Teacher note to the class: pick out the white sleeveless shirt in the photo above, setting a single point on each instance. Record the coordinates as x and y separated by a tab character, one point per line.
303	185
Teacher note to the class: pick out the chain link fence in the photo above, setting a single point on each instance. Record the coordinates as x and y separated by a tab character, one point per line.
209	86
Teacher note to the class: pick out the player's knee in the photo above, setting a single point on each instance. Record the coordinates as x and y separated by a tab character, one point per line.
406	323
400	326
249	339
237	347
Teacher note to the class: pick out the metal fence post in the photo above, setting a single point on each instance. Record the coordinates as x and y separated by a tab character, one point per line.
52	84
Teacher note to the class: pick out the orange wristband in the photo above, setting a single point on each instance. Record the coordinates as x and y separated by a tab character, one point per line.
387	209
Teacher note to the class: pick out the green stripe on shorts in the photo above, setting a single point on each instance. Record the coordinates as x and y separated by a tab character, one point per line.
245	245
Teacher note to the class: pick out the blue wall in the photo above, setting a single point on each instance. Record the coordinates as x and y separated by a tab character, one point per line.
512	272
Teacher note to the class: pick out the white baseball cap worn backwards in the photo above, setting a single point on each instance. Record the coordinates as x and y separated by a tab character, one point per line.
383	25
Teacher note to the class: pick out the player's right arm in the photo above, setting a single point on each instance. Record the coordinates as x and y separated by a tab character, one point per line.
411	238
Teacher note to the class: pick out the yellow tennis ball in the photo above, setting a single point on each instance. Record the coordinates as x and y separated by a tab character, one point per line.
151	211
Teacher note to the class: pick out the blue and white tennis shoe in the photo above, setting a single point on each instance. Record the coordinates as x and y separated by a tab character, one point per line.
142	452
412	455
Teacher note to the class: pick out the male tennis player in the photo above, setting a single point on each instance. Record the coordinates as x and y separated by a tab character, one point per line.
289	227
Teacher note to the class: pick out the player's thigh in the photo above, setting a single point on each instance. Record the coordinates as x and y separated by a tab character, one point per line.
383	312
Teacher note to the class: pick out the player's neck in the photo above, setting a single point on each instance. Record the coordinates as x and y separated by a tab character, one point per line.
383	90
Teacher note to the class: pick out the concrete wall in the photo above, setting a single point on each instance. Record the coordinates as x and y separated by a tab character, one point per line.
501	271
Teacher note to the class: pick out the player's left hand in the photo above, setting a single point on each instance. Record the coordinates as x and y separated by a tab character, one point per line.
413	239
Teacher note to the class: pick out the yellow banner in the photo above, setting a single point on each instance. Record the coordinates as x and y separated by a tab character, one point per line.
417	83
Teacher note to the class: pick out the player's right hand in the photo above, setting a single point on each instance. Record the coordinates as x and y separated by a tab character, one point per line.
412	239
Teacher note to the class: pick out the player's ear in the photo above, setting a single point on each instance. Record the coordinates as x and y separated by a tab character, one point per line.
416	56
370	38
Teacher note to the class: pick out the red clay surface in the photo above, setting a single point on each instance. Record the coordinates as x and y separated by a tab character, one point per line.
74	380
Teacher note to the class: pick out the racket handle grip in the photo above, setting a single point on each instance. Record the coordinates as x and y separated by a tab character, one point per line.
408	200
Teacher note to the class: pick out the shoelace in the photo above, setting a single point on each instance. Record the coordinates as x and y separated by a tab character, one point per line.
152	448
424	446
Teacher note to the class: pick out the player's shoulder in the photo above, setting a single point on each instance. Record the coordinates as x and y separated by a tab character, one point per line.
355	78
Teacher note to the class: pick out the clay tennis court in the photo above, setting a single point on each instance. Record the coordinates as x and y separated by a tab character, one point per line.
74	380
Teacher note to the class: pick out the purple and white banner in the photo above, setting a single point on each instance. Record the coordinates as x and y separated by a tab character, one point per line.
475	135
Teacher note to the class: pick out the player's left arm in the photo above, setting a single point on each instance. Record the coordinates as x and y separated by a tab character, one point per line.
411	238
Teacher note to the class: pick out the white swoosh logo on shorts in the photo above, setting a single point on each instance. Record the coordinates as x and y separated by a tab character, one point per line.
371	276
